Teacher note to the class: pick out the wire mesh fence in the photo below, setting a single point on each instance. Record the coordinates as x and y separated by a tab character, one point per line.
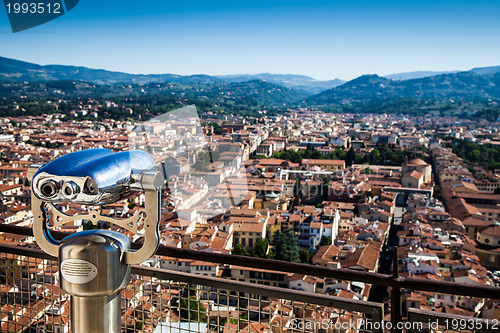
31	298
436	322
186	307
159	300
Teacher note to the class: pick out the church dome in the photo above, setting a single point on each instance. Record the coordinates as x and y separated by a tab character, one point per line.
417	161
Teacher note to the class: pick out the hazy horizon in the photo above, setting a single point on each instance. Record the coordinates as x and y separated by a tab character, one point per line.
261	73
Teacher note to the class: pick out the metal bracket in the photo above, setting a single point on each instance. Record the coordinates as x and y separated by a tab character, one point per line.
94	216
151	230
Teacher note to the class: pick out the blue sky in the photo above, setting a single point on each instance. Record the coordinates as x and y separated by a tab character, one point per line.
322	39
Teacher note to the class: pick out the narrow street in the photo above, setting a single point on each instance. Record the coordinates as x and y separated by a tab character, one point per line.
378	293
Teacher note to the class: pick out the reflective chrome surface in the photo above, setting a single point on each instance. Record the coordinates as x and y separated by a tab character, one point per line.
93	273
103	249
96	314
94	176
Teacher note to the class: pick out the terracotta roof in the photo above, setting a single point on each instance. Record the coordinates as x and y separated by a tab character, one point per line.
493	230
365	257
414	174
326	252
249	227
305	278
323	162
316	225
417	161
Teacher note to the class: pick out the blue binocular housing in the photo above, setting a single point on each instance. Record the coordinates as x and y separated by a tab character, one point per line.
92	177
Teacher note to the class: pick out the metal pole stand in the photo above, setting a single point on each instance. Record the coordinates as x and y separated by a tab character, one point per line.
94	274
94	265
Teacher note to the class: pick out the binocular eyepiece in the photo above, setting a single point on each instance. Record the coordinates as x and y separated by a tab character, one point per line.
49	188
93	177
69	190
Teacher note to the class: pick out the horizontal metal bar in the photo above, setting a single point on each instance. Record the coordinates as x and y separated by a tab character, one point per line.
319	271
263	290
24	251
16	230
334	273
452	322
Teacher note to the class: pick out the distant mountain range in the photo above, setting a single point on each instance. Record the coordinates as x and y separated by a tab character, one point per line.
421	74
414	75
465	86
242	94
20	71
298	82
267	90
486	70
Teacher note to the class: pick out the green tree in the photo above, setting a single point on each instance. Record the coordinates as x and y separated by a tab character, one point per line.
240	250
367	171
243	318
139	324
217	127
325	241
260	249
374	156
285	246
350	157
191	309
305	256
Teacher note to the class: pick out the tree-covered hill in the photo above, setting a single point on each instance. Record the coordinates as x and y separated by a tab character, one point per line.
464	86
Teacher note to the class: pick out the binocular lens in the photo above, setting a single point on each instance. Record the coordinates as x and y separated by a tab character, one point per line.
49	188
70	190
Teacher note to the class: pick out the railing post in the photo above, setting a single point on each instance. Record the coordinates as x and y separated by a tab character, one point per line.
395	295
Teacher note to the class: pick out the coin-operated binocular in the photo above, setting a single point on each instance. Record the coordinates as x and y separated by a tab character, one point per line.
94	265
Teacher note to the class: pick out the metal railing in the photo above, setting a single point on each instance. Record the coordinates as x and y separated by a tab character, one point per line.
159	300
